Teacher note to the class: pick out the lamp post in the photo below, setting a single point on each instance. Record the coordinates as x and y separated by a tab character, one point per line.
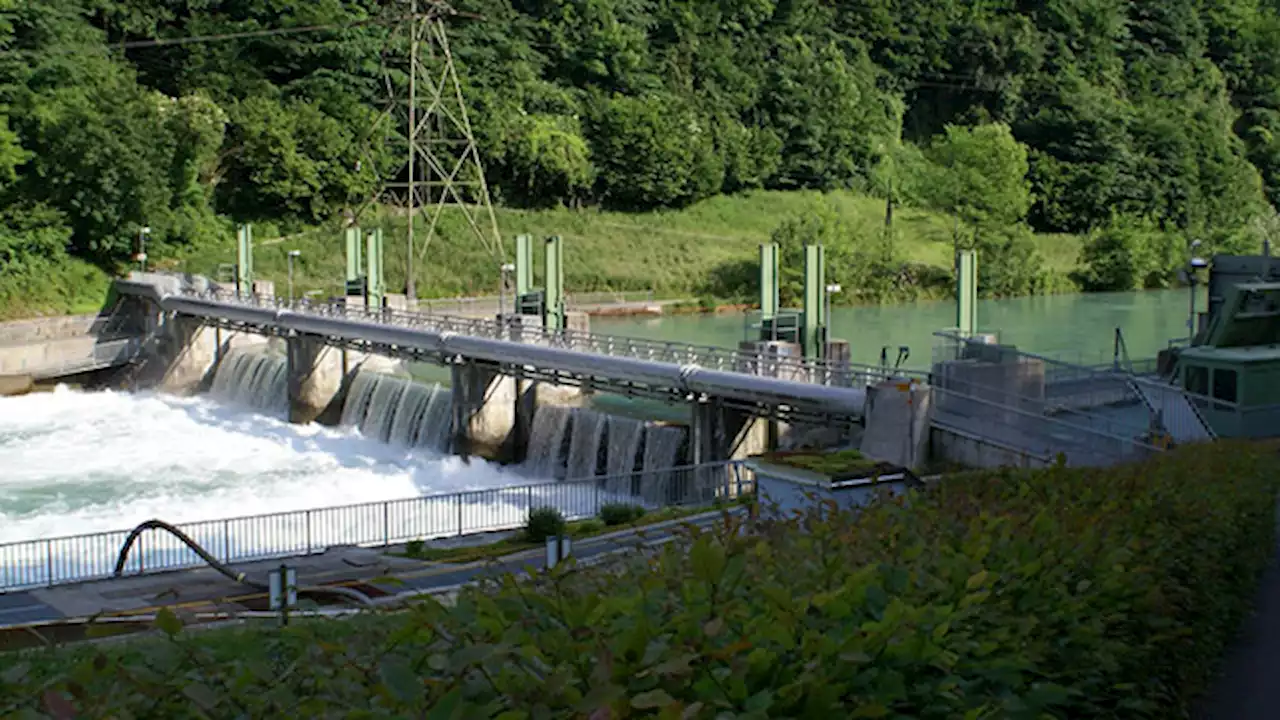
832	289
141	255
504	269
1193	264
292	254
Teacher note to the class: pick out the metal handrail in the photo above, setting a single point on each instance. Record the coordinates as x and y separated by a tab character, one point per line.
1028	423
45	562
815	371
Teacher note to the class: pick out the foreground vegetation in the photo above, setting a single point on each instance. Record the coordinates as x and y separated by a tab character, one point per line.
1053	593
1122	130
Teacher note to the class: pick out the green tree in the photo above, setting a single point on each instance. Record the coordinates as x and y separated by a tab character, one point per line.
653	150
981	176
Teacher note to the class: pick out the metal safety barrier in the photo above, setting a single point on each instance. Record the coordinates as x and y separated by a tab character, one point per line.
54	561
1079	440
798	369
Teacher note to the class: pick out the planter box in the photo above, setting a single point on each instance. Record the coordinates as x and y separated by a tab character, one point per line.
783	489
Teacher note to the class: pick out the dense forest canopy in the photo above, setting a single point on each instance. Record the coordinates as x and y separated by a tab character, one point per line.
1142	124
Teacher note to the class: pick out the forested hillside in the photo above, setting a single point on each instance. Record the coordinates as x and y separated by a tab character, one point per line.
1138	124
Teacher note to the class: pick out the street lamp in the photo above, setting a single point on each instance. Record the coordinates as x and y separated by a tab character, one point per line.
502	290
1194	265
141	255
292	254
832	289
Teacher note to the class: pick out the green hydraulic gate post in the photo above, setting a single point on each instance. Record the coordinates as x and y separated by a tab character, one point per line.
814	306
524	265
768	290
373	275
354	259
244	260
554	318
966	292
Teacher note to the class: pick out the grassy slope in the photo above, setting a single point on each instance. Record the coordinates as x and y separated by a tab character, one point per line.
66	287
670	252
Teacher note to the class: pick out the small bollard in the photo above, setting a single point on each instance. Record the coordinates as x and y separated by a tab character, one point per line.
283	589
558	548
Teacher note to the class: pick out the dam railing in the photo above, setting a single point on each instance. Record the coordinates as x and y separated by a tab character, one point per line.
799	369
45	562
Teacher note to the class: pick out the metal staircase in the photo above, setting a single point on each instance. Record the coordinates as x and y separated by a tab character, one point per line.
1173	411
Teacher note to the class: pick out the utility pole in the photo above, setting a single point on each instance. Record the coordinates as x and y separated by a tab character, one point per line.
441	171
415	34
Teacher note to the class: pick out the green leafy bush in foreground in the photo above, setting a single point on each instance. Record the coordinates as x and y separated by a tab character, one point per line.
1058	593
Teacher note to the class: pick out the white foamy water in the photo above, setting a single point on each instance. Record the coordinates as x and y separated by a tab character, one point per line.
74	462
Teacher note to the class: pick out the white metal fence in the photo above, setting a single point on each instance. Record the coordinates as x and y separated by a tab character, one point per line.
77	558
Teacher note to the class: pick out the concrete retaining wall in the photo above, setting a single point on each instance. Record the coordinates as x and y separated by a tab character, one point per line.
971	450
51	328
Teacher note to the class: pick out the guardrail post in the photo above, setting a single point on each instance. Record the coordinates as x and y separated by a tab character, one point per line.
226	540
386	524
459	496
308	523
48	562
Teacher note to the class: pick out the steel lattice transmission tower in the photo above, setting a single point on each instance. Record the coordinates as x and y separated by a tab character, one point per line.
426	118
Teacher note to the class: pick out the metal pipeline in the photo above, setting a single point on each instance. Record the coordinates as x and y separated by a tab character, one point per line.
195	547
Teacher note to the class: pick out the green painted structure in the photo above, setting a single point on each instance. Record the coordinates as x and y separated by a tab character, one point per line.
244	260
355	259
524	266
547	302
768	282
553	301
375	281
966	292
355	263
1233	372
813	335
806	327
776	324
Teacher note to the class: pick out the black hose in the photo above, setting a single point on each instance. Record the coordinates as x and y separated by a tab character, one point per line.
216	564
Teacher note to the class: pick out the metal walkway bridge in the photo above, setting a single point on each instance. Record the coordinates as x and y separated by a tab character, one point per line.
762	384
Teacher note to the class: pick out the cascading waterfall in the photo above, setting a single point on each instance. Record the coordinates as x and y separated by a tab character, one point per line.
545	456
358	396
253	379
661	448
584	443
625	436
382	408
399	411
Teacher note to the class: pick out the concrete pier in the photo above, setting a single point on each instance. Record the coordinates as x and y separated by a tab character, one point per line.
717	432
316	374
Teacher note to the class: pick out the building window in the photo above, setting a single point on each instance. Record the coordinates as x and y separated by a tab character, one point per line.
1224	385
1197	380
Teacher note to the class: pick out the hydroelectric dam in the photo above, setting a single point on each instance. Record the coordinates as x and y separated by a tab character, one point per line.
500	374
297	479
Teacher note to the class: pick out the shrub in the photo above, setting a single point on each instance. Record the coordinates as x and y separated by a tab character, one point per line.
1054	593
620	513
413	548
543	522
586	527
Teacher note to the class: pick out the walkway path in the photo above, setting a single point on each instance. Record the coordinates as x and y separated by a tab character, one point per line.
1249	687
370	570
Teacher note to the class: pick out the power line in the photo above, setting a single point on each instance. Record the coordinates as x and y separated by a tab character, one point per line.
108	46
